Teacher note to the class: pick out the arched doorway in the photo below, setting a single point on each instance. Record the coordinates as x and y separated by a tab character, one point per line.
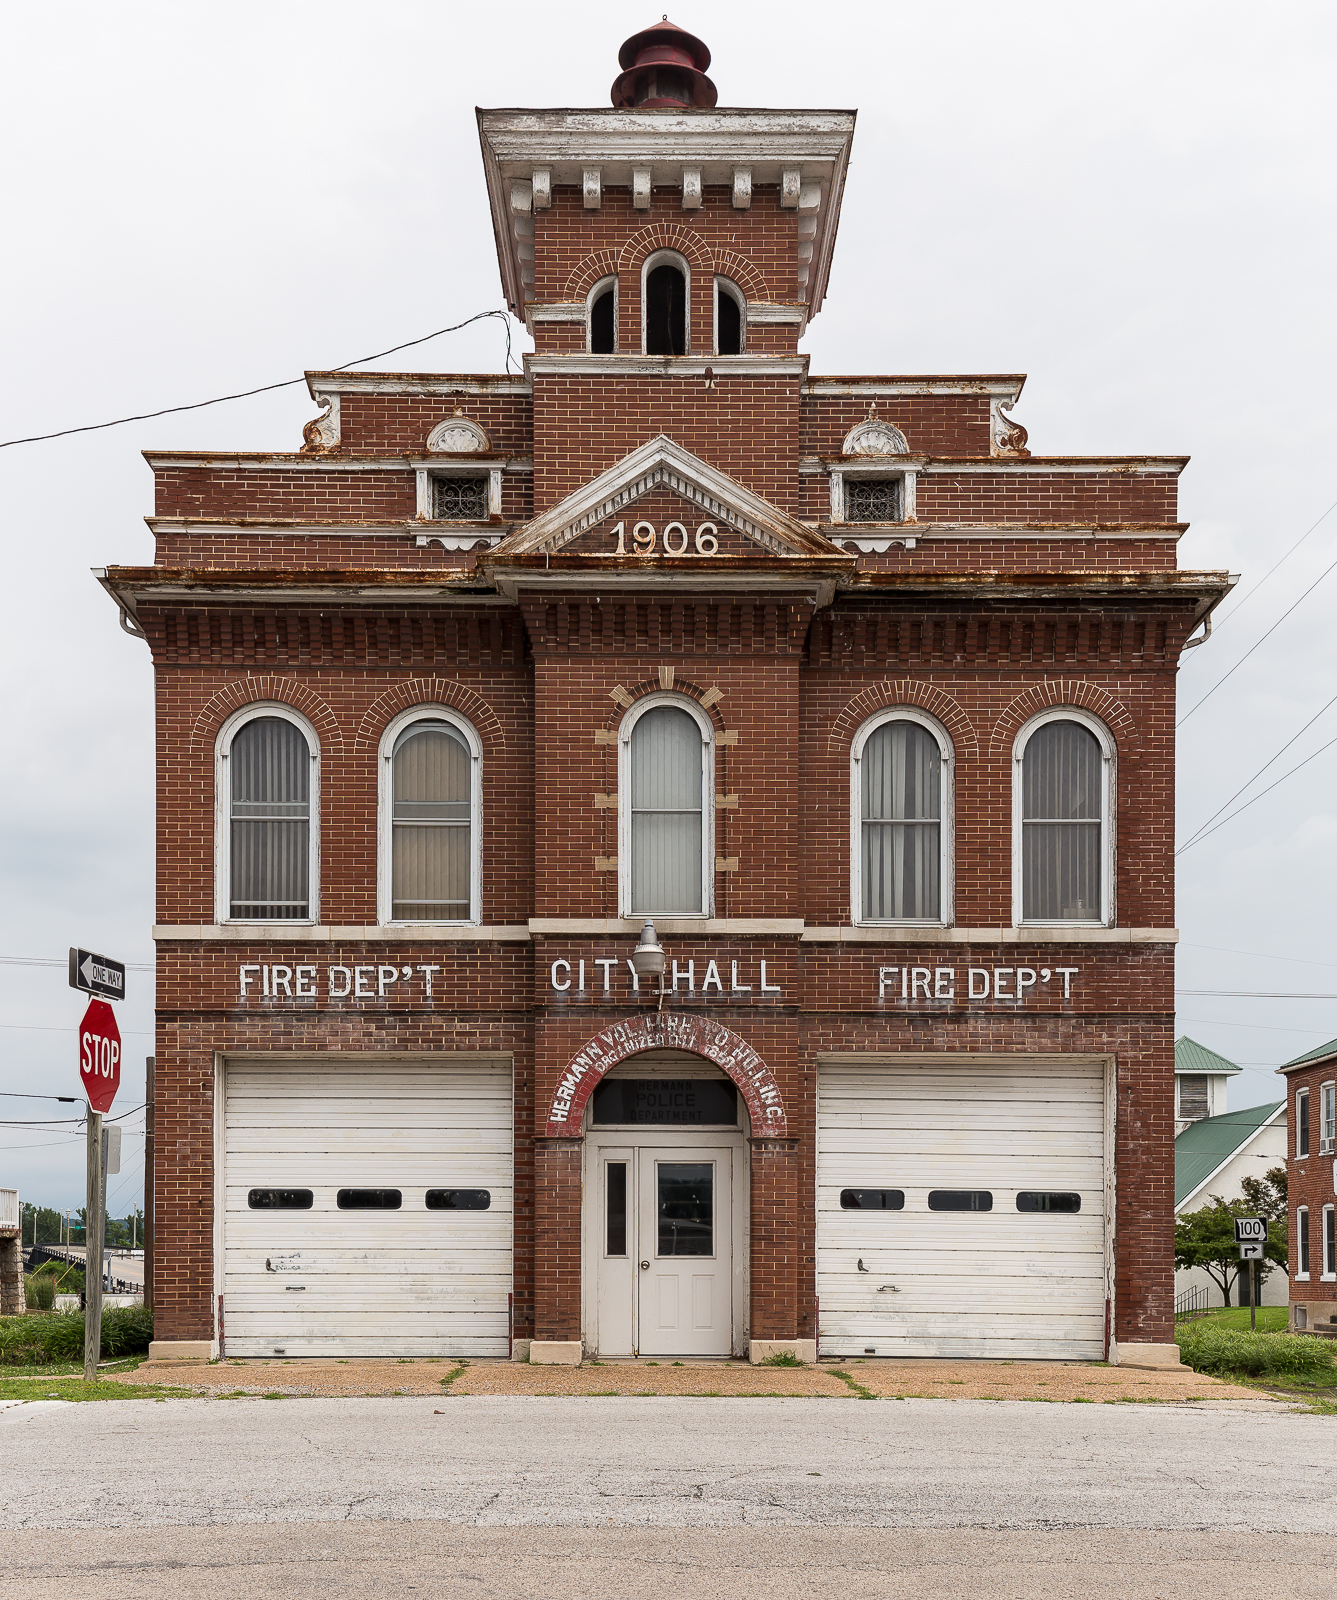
665	1209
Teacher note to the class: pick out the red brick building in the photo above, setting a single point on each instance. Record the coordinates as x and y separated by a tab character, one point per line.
1311	1188
866	707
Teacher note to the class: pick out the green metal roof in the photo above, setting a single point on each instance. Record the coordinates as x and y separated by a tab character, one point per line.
1190	1056
1329	1049
1206	1145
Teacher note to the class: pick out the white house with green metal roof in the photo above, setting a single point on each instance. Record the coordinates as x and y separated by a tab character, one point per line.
1213	1156
1201	1077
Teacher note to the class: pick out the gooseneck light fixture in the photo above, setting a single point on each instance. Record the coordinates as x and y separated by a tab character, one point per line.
647	959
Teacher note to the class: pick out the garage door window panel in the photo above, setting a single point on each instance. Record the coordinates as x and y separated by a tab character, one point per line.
1063	786
901	788
430	802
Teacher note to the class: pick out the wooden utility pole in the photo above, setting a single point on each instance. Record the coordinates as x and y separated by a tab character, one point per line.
93	1249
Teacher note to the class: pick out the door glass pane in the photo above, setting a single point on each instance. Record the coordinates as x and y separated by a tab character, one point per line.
686	1208
960	1200
616	1209
1060	847
901	775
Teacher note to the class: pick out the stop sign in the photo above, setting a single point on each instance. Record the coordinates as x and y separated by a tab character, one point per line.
100	1055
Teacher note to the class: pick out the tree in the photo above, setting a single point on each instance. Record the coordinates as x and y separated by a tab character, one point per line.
1206	1238
40	1225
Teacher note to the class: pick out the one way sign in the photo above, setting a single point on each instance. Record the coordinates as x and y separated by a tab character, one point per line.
97	974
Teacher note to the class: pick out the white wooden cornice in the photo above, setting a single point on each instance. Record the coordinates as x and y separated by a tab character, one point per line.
662	463
580	365
321	384
804	154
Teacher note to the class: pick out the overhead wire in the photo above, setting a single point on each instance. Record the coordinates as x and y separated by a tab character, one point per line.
1219	622
1238	792
266	388
1198	838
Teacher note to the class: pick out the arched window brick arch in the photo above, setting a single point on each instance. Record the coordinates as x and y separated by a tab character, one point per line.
916	695
695	691
675	1031
247	691
429	691
602	264
1058	692
729	264
666	236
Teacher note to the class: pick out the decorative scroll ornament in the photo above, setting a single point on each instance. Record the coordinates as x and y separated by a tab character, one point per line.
457	435
873	437
322	432
1009	437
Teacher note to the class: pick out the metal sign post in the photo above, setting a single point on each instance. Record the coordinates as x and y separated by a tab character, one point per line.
1251	1236
100	1073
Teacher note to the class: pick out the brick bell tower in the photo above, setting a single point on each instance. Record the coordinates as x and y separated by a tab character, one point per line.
667	254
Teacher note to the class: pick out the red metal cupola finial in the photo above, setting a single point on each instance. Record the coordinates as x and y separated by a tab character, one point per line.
663	66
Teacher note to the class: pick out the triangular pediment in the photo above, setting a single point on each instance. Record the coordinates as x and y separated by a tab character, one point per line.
661	476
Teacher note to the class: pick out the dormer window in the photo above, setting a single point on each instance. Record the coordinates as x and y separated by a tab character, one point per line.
602	318
665	288
873	499
459	499
730	318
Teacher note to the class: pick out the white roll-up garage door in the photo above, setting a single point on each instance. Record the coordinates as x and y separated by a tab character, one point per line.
367	1207
961	1207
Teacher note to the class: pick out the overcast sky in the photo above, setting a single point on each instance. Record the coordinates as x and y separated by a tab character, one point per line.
1132	204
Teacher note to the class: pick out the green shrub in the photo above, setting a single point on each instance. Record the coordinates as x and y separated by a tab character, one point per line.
59	1337
39	1293
1223	1351
781	1358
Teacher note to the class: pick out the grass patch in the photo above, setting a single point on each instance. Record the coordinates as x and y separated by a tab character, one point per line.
1271	1319
58	1336
853	1383
1226	1351
71	1388
781	1358
453	1374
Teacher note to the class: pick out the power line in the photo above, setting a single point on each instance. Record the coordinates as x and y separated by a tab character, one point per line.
1261	955
1244	600
53	961
44	1027
1259	1027
1286	613
265	388
1239	809
13	1094
1255	994
1238	792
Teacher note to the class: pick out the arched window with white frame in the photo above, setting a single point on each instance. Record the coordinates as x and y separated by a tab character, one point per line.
267	813
666	299
1063	819
901	813
666	849
601	318
730	318
430	802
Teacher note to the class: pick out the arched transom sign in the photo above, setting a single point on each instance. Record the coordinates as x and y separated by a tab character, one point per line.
676	1031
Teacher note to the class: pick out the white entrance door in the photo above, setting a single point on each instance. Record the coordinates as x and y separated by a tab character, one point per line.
961	1207
685	1266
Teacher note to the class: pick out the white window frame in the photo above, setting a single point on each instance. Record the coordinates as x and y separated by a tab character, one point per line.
426	712
428	472
1302	1094
1301	1268
1329	1265
740	300
1327	1118
669	258
223	814
703	722
946	821
599	289
1108	782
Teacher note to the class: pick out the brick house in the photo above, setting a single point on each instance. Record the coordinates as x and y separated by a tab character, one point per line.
865	708
1311	1188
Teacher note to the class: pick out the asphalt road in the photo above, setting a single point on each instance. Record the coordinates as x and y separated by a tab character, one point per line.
495	1497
